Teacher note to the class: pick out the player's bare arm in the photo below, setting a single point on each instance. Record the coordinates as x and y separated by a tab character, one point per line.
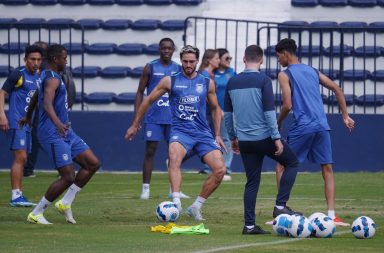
4	125
286	97
329	84
163	87
143	83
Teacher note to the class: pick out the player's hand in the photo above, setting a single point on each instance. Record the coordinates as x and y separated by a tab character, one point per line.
4	126
24	121
63	128
221	143
131	132
279	147
235	146
349	123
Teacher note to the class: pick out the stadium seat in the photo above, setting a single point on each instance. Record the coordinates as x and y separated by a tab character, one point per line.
173	25
74	48
130	49
353	26
362	3
16	2
7	22
116	24
73	2
146	24
152	49
336	50
79	97
376	27
370	100
377	75
331	73
30	23
101	48
59	23
43	2
13	48
310	51
158	2
380	3
5	71
304	3
136	72
333	3
368	51
89	71
99	97
187	2
272	73
100	2
129	2
294	25
115	72
125	98
88	24
355	75
324	24
349	99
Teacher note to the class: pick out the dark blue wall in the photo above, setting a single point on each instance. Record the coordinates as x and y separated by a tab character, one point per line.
104	132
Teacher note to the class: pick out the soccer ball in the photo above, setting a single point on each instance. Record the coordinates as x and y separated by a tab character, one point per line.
301	227
167	211
363	227
316	214
281	224
323	226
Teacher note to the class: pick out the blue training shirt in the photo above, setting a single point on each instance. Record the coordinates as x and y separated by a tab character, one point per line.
307	103
221	81
159	112
20	85
249	107
47	131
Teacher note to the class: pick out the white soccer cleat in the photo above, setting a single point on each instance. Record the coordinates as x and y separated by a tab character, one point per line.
66	211
144	195
37	219
269	222
195	213
227	178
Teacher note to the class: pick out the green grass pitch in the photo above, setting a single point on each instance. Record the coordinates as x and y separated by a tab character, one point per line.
111	218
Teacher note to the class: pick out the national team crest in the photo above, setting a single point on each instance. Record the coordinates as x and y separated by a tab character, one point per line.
22	142
149	133
65	157
199	88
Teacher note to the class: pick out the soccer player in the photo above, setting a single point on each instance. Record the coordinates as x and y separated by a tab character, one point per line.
59	141
309	135
20	86
254	134
188	93
157	121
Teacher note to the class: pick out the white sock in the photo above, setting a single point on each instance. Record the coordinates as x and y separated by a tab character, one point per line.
16	193
145	188
199	202
280	207
70	195
250	227
331	214
41	206
176	198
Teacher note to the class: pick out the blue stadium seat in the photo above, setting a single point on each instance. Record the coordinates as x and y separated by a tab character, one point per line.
88	24
356	75
380	3
13	48
146	24
376	27
100	97
187	2
349	99
100	2
101	48
293	25
272	73
7	22
370	100
130	49
368	51
30	23
115	72
43	2
324	24
353	26
5	70
158	2
377	75
310	51
333	3
59	23
152	49
79	97
89	71
116	24
136	72
304	3
270	51
16	2
130	2
172	25
74	47
362	3
73	2
125	98
331	73
336	50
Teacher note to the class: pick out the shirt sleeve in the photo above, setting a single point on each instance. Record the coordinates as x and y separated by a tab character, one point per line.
269	109
12	81
228	115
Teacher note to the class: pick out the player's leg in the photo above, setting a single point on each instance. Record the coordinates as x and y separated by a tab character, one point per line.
329	187
279	169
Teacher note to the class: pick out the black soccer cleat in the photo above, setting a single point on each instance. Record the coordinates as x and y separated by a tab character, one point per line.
256	230
285	210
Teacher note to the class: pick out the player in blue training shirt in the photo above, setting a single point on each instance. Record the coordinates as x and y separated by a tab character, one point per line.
188	92
157	121
20	86
250	118
59	141
309	135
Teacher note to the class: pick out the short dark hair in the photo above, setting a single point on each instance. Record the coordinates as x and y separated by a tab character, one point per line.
253	53
222	51
33	49
188	49
54	50
286	44
165	40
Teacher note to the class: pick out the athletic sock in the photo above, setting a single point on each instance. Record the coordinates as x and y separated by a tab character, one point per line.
70	194
331	214
199	202
16	193
250	227
41	206
145	188
279	207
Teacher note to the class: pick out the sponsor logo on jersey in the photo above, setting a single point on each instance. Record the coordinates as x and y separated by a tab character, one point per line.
181	86
22	142
161	103
158	74
175	137
199	88
189	100
149	133
28	81
65	157
30	93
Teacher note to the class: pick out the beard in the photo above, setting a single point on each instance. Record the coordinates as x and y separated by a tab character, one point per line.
189	71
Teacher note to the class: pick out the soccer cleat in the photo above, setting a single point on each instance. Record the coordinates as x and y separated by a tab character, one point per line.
269	222
227	178
66	211
256	230
37	219
285	210
340	222
182	195
195	213
21	201
144	195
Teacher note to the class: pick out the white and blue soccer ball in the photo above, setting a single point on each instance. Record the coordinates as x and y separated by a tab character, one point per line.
323	226
301	227
316	214
363	227
167	211
281	224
